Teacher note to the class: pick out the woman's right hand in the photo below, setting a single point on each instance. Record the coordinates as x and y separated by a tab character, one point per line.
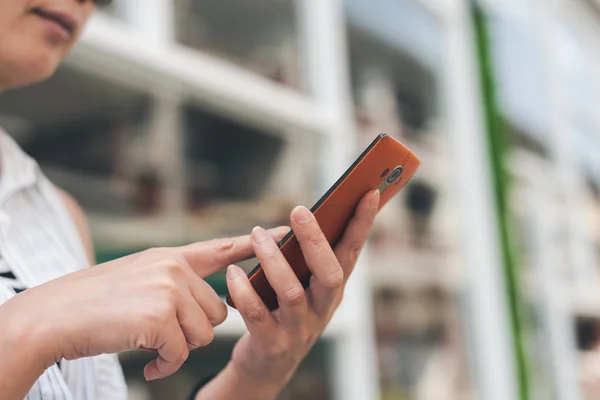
154	300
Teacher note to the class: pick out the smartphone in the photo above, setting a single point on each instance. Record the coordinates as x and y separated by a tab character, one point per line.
386	165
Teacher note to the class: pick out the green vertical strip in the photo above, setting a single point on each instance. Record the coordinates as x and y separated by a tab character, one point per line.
498	147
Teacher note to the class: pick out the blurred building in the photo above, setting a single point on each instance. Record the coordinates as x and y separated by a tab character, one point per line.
184	120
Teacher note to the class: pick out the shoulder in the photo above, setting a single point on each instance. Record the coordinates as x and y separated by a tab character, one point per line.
80	220
74	208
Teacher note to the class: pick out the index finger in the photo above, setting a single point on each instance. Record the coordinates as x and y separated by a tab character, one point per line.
206	258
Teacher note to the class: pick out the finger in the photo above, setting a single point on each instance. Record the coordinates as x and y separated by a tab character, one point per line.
206	258
357	231
171	354
328	276
290	292
195	289
207	299
195	324
256	315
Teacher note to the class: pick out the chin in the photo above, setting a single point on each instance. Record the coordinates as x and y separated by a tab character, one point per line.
28	69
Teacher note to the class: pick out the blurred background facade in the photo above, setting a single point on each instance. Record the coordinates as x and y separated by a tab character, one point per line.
184	120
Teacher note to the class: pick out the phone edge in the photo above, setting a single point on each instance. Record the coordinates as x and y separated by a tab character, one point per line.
322	200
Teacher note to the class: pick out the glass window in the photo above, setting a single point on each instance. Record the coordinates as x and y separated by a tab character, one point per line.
261	36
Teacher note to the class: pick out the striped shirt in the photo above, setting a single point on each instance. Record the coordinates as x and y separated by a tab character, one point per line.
7	277
39	242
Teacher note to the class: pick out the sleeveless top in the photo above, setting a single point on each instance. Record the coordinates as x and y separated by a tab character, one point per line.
39	242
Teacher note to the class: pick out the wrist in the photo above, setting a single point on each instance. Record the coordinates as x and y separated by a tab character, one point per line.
267	385
24	358
31	337
232	382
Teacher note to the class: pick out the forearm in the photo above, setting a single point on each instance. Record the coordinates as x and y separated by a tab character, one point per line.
22	359
232	384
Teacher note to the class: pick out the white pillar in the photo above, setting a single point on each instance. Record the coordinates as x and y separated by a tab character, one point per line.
564	182
492	358
327	75
165	156
325	54
556	311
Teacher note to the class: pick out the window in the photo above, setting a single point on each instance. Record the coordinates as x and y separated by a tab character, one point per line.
259	35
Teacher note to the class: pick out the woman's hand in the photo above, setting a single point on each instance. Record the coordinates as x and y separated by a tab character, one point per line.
266	357
155	300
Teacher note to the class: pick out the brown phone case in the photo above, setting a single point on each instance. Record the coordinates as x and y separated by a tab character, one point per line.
334	210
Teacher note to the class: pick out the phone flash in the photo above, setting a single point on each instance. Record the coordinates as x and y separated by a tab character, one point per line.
391	178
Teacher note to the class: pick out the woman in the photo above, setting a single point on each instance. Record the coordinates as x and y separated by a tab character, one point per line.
61	323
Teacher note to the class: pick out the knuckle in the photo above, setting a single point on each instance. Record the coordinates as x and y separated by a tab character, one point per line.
155	317
182	356
335	278
294	297
223	314
167	310
224	246
317	239
255	313
167	290
167	286
276	351
173	267
141	342
355	251
304	337
219	316
272	256
207	337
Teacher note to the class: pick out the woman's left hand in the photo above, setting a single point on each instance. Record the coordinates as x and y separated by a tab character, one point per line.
276	342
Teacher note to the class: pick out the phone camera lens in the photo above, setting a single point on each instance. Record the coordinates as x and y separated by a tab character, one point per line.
393	177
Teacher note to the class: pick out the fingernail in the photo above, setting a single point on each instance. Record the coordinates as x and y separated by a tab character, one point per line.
302	215
233	272
281	229
375	199
149	374
259	235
